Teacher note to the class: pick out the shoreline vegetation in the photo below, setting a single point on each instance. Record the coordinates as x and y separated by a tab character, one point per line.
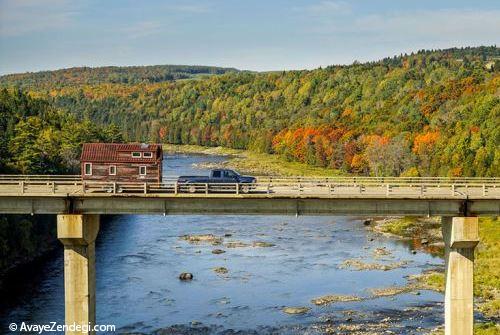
423	234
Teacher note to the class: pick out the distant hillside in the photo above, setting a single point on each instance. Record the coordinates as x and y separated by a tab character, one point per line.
109	74
429	113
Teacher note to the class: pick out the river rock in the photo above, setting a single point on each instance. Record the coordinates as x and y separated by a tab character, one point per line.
296	310
328	299
218	251
367	222
202	238
236	244
261	244
221	270
186	276
381	252
424	241
359	265
391	291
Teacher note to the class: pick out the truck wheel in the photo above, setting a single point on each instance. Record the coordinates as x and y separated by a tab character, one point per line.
245	188
192	189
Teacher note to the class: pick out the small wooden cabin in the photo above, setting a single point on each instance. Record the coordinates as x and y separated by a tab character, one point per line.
133	162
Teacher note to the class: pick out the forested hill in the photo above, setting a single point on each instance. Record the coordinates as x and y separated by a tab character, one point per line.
109	74
429	113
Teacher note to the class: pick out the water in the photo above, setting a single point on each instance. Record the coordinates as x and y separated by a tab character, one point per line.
139	259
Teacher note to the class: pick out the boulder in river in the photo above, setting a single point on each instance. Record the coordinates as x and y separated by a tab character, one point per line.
296	310
217	251
186	276
367	222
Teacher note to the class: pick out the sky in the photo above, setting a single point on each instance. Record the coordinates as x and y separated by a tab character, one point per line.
258	35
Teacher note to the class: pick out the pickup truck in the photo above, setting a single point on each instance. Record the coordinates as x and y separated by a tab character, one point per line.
218	177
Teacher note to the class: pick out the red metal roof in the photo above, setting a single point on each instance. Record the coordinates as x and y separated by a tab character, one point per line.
109	152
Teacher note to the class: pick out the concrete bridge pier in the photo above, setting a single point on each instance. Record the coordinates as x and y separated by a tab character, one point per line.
78	234
461	235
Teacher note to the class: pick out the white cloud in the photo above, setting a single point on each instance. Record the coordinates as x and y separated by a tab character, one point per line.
18	17
446	24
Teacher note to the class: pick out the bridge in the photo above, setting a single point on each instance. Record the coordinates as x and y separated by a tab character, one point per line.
78	204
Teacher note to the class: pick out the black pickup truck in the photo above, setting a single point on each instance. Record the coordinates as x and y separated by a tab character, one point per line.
217	177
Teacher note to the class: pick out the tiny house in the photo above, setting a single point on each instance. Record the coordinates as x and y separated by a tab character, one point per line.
122	162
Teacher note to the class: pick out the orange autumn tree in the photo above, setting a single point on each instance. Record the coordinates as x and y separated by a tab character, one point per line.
308	144
424	146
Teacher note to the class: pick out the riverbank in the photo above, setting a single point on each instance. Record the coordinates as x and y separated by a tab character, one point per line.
424	234
24	239
252	163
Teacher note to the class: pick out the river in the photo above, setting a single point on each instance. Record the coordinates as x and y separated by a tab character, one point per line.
139	259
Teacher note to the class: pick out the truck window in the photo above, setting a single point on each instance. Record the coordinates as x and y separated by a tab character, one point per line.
229	174
216	174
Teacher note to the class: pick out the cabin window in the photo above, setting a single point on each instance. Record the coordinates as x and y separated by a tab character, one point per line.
112	170
147	154
136	154
88	169
142	170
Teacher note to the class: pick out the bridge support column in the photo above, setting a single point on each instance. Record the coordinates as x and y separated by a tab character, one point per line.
461	235
78	234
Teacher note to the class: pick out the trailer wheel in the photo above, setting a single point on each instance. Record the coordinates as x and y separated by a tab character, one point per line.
192	189
245	188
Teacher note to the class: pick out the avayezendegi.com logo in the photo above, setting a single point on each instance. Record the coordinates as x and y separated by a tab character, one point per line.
55	327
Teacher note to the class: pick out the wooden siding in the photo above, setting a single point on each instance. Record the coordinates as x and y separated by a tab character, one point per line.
125	172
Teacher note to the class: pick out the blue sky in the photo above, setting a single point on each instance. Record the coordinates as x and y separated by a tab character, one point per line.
255	34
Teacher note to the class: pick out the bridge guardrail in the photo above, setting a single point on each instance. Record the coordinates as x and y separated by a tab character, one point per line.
328	187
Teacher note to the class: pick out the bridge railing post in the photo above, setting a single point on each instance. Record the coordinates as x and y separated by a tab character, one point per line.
460	236
78	234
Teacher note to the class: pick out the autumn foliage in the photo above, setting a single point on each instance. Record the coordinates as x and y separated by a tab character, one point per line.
428	113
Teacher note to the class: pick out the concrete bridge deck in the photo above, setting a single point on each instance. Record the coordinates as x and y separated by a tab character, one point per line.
270	195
